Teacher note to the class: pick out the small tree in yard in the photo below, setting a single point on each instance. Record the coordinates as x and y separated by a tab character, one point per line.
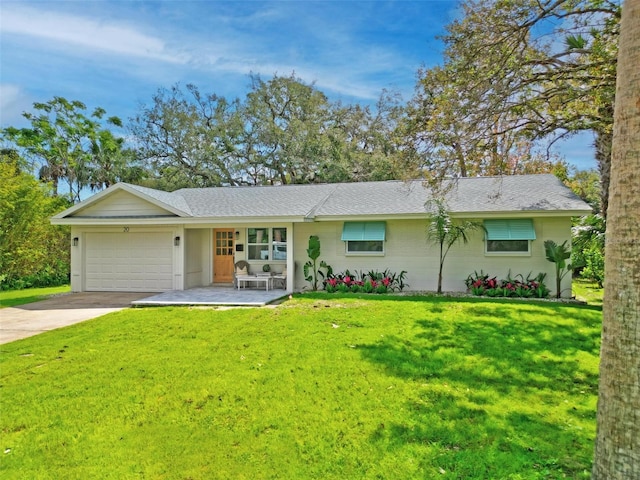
313	269
442	231
559	254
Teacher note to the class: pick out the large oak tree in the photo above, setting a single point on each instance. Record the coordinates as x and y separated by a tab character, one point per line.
283	131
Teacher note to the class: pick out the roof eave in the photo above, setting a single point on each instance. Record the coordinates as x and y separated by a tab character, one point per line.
150	221
370	217
521	213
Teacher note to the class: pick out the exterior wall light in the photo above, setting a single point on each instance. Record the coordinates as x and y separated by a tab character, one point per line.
76	241
176	241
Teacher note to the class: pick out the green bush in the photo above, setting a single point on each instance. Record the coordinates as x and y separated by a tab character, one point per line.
594	265
33	253
369	282
517	286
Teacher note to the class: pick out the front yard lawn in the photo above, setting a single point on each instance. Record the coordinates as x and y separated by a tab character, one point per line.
320	387
11	298
588	292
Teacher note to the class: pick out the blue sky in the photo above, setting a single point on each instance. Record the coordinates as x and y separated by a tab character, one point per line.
116	54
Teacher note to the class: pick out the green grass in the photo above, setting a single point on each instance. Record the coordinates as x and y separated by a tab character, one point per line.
11	298
316	388
587	292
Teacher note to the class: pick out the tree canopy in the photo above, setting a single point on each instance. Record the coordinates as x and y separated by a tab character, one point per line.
517	73
284	131
65	144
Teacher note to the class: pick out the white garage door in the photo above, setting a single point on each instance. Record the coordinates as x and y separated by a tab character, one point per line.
129	262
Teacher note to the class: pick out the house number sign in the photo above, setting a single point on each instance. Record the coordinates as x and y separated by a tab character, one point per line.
125	229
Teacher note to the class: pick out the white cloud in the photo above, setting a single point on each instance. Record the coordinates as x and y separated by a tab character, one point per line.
174	44
86	33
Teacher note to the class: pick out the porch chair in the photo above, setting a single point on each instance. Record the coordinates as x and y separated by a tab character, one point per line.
280	279
241	269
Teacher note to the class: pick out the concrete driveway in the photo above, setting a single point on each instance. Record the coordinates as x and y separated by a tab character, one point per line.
33	318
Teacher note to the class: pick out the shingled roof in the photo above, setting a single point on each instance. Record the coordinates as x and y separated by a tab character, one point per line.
541	193
465	196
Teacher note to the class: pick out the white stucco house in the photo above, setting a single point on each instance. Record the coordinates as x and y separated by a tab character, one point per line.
132	238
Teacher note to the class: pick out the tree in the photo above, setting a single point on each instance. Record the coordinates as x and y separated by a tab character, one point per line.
617	445
313	270
32	251
190	139
290	124
444	232
366	145
586	184
518	73
558	255
284	131
60	140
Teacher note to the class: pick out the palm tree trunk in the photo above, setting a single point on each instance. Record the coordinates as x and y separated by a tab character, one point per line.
441	265
617	446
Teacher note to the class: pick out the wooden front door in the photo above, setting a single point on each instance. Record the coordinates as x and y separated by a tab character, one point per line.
223	255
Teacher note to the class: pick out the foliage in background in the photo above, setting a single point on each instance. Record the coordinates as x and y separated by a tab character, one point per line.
516	74
365	282
445	233
586	184
480	284
558	255
284	131
33	253
588	247
313	270
64	144
587	233
594	265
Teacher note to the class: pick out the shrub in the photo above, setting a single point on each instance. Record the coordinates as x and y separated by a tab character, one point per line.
369	282
516	286
594	265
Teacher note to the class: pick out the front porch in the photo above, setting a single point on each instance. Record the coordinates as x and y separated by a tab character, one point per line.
213	295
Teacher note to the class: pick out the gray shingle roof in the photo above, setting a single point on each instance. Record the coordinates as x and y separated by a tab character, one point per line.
517	193
266	201
479	194
496	195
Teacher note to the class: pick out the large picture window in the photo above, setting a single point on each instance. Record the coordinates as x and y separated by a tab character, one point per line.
364	238
268	244
509	236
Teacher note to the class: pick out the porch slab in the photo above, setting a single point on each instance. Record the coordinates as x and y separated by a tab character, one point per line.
218	295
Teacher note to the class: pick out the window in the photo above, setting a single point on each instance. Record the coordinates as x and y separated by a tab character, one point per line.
279	244
368	246
509	236
267	244
505	246
364	238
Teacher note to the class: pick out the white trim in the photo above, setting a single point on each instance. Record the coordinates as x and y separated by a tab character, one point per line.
195	222
486	215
